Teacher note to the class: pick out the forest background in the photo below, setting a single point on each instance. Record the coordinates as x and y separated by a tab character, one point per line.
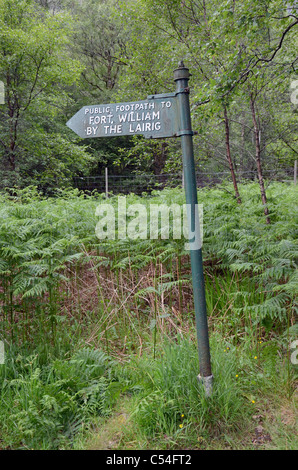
57	56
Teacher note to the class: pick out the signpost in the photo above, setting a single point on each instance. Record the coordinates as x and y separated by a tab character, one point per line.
161	116
155	117
181	77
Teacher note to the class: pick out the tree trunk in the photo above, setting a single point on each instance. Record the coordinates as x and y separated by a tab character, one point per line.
258	158
229	158
242	142
160	157
12	125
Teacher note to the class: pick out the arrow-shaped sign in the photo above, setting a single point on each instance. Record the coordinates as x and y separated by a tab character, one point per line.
155	117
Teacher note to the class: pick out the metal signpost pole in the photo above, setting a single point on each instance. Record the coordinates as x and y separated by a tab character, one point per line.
181	76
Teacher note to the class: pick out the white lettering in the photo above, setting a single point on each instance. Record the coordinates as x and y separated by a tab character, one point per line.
105	228
122	117
145	127
116	129
137	227
99	110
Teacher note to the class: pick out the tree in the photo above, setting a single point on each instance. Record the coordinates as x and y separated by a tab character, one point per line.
100	44
35	68
227	44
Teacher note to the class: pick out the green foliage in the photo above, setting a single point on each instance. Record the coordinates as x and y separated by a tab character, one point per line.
173	390
170	407
36	69
236	239
56	386
56	56
40	239
43	407
231	50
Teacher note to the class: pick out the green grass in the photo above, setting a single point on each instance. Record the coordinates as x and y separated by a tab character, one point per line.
44	406
165	407
93	326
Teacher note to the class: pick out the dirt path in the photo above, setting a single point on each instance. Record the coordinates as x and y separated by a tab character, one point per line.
110	435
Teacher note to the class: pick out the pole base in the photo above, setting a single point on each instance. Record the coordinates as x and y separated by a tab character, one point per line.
208	384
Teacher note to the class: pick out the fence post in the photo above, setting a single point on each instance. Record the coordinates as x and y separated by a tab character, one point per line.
295	172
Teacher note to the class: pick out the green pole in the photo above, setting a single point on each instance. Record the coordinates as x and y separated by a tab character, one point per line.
181	77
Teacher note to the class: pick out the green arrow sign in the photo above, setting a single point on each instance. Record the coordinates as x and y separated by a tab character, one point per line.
155	118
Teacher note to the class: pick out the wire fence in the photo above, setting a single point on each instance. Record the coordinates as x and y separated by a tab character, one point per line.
146	183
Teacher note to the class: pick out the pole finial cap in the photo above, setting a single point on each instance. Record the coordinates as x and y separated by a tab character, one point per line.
181	72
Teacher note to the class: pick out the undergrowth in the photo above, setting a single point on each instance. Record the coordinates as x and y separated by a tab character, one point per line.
72	308
44	406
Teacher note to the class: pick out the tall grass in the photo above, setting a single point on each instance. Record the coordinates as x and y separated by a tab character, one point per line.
170	408
62	290
44	405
